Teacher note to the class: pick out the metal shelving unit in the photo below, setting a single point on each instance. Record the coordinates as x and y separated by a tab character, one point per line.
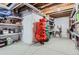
10	34
75	23
14	36
6	24
15	17
1	18
13	32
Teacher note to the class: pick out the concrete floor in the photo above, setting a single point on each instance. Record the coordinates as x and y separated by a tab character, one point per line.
55	46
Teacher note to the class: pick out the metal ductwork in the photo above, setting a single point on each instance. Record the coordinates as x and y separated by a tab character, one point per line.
12	6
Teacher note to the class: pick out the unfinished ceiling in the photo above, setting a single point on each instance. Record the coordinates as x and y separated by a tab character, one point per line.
55	10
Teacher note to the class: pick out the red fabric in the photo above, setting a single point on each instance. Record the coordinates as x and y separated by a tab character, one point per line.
40	30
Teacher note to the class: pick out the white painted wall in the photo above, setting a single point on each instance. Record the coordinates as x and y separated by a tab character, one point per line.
36	17
28	19
64	21
27	26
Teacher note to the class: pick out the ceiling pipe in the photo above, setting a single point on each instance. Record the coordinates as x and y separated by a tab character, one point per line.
3	6
12	6
34	8
31	6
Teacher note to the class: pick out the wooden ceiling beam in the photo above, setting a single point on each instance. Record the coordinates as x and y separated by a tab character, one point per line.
45	5
57	8
61	15
66	10
35	4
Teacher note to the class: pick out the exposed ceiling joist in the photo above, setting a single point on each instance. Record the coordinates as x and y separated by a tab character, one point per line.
57	8
63	14
48	5
45	5
35	3
66	10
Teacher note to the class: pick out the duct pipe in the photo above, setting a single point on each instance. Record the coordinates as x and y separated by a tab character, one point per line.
34	8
